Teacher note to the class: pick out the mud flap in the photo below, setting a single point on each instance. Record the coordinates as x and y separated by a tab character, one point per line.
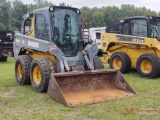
75	88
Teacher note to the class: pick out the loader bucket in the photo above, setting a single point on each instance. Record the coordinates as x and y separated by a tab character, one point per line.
75	88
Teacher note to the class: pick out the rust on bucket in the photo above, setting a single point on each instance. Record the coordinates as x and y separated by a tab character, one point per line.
75	88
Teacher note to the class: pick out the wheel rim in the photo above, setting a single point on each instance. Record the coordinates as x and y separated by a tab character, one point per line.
19	69
146	66
117	63
37	75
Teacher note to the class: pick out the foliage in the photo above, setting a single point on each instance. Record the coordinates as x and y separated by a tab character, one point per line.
100	17
11	13
5	14
18	10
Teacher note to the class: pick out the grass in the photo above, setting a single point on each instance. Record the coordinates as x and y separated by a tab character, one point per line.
23	103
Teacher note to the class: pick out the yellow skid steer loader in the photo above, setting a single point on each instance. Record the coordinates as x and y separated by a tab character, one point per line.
51	55
133	43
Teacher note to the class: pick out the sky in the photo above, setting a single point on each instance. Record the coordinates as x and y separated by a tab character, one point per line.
150	4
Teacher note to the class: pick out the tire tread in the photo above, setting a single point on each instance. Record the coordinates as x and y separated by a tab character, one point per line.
126	63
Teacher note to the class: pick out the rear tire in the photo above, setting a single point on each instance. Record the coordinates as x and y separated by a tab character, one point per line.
148	65
120	61
98	64
22	69
40	71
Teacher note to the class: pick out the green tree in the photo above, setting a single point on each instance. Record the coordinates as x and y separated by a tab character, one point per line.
11	14
39	4
18	10
64	4
5	14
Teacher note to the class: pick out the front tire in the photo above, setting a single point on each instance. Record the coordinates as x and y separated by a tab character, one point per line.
148	65
120	61
40	71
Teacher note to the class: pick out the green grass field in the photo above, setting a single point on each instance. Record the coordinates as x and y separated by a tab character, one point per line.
23	103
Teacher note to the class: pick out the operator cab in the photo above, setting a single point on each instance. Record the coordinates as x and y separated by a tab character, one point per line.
142	26
61	25
66	24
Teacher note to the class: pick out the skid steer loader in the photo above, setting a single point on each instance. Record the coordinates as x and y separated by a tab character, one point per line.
51	54
133	43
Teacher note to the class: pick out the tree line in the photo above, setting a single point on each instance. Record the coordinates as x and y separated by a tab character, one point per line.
11	13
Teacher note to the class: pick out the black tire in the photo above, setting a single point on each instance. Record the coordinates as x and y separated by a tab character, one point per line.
100	53
151	65
122	57
44	68
22	69
4	59
98	64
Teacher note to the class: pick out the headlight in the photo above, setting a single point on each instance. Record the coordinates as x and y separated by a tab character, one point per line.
51	9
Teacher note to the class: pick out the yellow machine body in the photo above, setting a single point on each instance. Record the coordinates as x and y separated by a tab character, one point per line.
134	49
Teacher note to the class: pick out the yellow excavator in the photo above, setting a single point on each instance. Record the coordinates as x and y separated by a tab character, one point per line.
133	43
51	55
